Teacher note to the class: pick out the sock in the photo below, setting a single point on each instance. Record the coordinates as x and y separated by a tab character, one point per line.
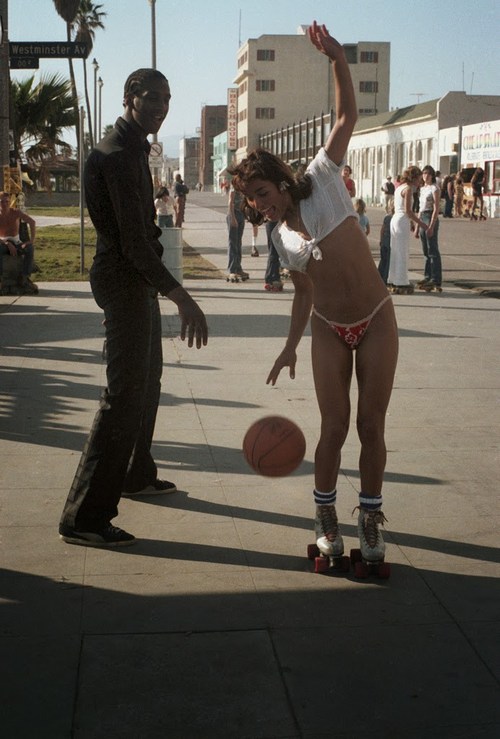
325	498
370	502
254	240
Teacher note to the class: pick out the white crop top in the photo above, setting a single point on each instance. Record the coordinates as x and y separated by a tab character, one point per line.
328	205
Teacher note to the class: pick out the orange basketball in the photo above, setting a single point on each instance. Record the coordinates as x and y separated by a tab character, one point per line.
274	446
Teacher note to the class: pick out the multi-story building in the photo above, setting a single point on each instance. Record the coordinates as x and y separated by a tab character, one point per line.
189	160
282	78
213	122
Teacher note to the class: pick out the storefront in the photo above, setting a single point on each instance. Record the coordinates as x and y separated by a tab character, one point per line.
481	148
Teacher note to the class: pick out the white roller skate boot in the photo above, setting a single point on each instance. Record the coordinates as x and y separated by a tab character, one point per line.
328	552
370	557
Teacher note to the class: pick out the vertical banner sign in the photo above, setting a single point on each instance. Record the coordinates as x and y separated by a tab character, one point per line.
232	118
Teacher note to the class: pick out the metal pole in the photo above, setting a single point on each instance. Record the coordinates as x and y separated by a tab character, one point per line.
96	67
101	83
82	196
153	33
4	88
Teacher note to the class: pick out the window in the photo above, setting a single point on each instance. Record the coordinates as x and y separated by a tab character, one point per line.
243	87
368	86
243	59
351	53
368	57
265	55
242	142
264	112
367	111
242	115
264	85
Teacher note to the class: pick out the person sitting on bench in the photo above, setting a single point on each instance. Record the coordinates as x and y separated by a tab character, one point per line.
11	242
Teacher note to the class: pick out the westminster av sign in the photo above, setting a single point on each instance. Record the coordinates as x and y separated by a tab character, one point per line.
47	49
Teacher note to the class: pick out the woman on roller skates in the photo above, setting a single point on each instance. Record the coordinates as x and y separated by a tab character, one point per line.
353	325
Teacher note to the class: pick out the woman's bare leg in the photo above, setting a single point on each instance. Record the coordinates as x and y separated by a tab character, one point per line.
375	368
332	363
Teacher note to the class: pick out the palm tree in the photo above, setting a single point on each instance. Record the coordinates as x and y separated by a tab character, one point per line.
68	9
88	18
42	111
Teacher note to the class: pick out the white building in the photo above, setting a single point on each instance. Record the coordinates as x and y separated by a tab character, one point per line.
283	78
426	133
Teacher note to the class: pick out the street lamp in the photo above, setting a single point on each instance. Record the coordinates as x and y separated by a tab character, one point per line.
100	83
96	67
153	33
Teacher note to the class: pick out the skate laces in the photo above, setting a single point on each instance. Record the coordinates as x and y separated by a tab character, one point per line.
327	516
370	521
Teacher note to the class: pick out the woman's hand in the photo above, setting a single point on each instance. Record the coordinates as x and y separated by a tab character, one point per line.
324	42
287	358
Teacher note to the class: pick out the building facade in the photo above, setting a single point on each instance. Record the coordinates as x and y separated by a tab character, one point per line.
221	159
189	160
426	133
280	74
213	122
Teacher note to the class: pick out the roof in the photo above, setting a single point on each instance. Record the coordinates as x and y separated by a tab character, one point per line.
397	116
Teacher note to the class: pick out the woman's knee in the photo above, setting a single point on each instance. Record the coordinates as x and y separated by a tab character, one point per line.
334	431
371	429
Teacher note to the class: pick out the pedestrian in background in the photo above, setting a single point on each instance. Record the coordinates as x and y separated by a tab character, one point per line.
164	208
180	192
429	214
385	246
404	216
364	222
388	189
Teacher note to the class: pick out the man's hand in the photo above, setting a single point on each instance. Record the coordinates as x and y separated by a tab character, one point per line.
193	321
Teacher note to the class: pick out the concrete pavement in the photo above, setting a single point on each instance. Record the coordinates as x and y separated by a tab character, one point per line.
214	624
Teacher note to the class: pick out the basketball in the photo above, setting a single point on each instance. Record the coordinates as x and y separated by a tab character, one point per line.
274	446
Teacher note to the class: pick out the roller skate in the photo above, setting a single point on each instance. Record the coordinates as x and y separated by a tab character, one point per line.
328	552
254	252
233	277
421	284
274	287
244	276
431	286
369	559
284	273
402	289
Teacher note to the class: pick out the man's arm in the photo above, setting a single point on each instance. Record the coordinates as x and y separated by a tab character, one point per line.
31	223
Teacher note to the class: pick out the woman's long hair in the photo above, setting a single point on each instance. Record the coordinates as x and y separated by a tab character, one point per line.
260	164
411	174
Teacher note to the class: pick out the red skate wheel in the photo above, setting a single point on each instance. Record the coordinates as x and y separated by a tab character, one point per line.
312	551
355	555
384	571
361	570
321	565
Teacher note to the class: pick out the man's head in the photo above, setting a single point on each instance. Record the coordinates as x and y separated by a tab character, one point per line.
146	97
4	202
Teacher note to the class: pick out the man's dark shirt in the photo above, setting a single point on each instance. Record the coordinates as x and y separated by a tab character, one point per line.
119	195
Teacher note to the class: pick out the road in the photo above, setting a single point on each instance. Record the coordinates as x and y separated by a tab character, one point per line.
470	250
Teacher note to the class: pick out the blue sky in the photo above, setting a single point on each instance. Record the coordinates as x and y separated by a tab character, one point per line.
436	45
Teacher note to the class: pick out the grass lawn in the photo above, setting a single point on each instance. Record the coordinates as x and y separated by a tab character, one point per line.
57	252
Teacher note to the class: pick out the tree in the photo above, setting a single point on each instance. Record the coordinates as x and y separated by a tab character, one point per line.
42	111
88	18
68	9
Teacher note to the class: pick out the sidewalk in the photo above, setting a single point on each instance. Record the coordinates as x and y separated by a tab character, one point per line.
214	625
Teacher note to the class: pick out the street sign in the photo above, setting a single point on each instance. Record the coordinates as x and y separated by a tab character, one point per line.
27	62
48	49
156	154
